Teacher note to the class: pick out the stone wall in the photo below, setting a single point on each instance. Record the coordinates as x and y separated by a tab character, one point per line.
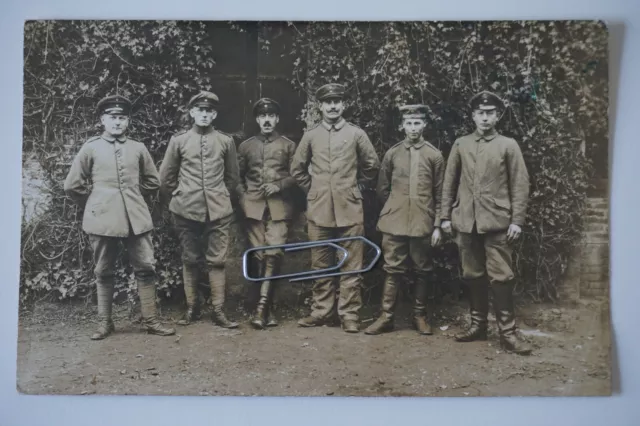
588	270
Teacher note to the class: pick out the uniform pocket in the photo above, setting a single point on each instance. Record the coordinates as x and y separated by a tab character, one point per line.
502	204
312	195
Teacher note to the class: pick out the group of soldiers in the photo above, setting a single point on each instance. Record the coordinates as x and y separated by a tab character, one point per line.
479	196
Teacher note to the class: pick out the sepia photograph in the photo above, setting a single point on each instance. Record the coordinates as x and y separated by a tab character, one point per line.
257	208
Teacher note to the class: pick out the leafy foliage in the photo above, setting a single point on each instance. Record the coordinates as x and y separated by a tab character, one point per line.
552	75
69	66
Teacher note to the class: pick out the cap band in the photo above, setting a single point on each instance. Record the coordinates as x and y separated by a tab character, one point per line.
114	110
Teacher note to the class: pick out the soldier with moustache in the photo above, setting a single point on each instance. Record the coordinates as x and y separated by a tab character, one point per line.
333	163
110	177
266	200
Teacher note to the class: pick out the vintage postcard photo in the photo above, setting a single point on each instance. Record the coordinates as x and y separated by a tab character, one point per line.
315	208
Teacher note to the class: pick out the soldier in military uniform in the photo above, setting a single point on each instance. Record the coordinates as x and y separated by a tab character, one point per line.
333	163
199	174
264	163
409	187
485	197
110	176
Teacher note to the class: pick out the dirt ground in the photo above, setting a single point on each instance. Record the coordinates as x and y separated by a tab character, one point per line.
55	356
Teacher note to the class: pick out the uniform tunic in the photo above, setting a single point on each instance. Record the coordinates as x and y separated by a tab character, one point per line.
266	159
111	176
486	188
331	161
262	160
200	175
409	185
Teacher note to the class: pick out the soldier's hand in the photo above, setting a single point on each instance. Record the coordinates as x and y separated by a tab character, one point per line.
513	233
270	189
436	237
446	226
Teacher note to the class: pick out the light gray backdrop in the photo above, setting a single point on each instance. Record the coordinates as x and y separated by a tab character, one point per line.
623	408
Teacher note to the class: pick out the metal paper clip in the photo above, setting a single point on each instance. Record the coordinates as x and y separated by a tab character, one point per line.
318	273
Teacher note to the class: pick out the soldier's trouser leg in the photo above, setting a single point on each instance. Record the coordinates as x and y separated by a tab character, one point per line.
104	257
259	320
473	260
350	300
267	233
190	283
277	233
324	292
395	251
190	234
499	260
424	294
256	237
142	259
217	237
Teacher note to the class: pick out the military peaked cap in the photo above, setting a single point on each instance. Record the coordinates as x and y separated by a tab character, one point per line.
331	90
485	100
115	104
265	106
414	111
204	98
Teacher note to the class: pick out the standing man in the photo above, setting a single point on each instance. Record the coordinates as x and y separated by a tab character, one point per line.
333	163
410	187
265	161
110	177
485	196
200	176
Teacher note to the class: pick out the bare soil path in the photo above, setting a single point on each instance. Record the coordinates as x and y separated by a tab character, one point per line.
55	356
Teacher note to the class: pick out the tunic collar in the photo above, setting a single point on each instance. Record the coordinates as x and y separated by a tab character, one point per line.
202	130
270	138
337	126
110	138
487	137
407	144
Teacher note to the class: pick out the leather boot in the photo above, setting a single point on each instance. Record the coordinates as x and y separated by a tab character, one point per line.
431	300
384	323
147	294
190	281
217	281
104	289
259	320
479	308
269	317
256	269
422	292
506	319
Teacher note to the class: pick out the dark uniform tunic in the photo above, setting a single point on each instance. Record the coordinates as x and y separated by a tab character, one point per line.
262	160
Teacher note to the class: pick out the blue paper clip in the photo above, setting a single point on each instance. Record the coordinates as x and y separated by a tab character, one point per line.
314	274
